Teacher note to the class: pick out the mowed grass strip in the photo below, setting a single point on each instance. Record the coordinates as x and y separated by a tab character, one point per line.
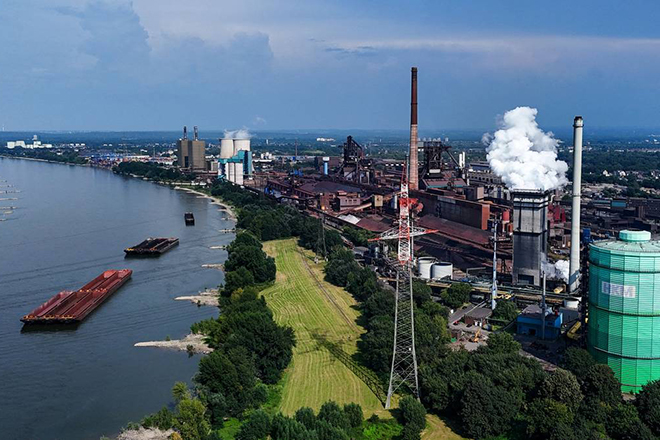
301	299
314	375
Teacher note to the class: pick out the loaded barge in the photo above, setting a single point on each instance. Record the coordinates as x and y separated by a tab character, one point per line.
152	247
71	307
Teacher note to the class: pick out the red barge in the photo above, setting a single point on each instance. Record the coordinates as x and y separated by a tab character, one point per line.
71	307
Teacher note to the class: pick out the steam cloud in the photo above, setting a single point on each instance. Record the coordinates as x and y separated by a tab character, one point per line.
523	155
556	271
243	133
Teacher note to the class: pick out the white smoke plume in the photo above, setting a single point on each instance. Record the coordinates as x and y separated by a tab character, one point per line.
556	271
243	133
523	155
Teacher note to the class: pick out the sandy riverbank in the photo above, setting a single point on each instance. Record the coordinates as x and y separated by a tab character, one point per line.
195	341
215	201
145	434
206	298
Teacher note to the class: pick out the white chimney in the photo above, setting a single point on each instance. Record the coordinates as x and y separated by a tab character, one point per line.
574	268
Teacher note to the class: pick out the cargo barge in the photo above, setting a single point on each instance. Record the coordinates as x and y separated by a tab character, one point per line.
189	218
71	307
152	247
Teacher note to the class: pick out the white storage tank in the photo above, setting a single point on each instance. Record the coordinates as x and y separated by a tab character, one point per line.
442	270
226	148
424	267
572	304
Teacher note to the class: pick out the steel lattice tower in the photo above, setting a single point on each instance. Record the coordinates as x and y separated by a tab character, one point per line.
404	359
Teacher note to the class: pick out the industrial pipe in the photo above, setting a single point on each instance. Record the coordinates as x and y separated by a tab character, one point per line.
574	266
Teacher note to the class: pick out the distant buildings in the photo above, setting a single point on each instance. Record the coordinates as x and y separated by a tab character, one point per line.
191	154
36	144
235	160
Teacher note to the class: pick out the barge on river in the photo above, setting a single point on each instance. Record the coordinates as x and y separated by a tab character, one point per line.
152	247
71	307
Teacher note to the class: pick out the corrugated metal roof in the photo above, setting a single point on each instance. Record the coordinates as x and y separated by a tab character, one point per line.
452	229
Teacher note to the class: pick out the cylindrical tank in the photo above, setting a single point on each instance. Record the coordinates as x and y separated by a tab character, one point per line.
441	270
624	307
241	145
424	267
506	215
226	148
572	304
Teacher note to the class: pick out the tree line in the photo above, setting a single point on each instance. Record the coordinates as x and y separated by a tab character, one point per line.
152	171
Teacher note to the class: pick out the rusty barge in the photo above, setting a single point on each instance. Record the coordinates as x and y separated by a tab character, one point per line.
152	247
71	307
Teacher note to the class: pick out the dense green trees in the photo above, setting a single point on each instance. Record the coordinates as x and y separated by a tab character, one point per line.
413	418
505	311
456	295
252	258
152	171
648	403
332	423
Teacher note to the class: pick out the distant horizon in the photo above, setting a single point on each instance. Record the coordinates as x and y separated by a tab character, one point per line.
121	65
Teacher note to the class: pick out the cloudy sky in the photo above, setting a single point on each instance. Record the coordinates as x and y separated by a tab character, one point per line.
160	64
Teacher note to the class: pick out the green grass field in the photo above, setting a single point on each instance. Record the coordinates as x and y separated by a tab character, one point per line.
301	299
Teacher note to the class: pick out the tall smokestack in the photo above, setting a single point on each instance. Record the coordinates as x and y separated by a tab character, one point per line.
574	268
196	133
413	181
185	132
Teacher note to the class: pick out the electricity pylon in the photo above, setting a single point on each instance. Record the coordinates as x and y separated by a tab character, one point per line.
404	359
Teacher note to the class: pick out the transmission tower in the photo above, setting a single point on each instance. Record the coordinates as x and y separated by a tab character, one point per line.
404	359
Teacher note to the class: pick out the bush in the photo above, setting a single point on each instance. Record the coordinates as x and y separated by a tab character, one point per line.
648	404
413	417
257	427
333	414
505	311
456	295
354	414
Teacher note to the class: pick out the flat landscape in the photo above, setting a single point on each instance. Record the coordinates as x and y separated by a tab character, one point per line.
318	310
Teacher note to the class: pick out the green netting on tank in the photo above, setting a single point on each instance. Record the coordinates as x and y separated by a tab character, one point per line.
624	307
632	373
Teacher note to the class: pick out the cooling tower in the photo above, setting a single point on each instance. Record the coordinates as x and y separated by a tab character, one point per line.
241	145
226	148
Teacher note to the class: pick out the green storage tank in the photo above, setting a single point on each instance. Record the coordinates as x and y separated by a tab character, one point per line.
624	307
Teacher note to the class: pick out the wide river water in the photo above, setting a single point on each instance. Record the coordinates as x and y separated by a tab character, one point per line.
70	224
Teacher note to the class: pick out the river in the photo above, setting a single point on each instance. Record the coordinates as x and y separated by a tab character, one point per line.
70	224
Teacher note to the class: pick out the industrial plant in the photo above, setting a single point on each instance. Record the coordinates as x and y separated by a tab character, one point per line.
512	227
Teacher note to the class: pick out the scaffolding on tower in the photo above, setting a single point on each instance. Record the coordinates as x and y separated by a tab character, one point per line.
404	359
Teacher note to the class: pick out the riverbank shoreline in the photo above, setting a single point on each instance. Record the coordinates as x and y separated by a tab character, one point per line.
214	201
35	159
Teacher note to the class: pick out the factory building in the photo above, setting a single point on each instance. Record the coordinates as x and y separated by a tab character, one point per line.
235	162
530	322
530	235
624	307
191	154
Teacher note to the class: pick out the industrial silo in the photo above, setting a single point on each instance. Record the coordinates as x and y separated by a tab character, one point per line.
624	307
424	267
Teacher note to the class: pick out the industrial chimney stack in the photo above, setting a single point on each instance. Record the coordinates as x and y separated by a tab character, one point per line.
574	267
413	181
185	132
196	133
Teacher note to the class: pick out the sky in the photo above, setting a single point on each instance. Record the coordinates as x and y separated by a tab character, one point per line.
267	65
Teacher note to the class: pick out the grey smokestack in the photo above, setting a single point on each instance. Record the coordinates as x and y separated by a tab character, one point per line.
196	134
185	132
414	168
574	267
